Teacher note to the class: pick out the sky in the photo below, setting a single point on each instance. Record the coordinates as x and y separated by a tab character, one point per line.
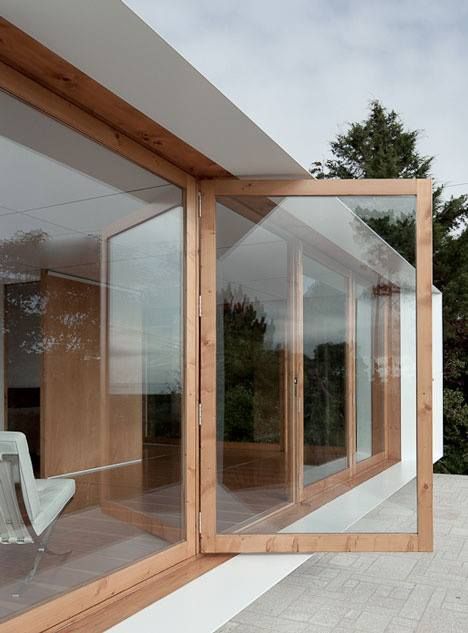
303	69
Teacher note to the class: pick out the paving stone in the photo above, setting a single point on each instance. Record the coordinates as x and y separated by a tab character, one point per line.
230	626
401	625
374	620
377	593
388	566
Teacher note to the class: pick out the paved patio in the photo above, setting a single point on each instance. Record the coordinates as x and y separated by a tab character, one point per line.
377	593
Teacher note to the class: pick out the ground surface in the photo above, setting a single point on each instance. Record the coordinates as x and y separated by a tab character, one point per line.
377	593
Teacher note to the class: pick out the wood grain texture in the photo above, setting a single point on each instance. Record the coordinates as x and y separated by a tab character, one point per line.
63	610
71	427
424	363
125	604
190	441
78	119
28	56
208	478
309	543
367	187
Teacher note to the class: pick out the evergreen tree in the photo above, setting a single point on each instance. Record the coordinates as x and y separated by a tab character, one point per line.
381	147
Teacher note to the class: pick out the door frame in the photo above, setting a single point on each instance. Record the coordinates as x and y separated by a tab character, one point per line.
213	542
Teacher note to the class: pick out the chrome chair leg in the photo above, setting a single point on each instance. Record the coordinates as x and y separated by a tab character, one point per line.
41	549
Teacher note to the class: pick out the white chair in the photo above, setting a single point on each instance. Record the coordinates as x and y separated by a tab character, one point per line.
44	499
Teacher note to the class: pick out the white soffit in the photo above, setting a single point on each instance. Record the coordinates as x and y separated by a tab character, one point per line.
109	42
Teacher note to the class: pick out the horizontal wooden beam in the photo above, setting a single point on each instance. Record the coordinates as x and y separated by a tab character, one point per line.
308	543
271	188
32	93
31	58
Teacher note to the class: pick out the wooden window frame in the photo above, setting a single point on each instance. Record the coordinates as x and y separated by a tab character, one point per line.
66	606
422	539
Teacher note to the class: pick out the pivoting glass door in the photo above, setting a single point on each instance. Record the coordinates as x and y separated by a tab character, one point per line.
311	368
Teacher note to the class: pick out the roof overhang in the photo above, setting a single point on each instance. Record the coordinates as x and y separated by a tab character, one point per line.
108	42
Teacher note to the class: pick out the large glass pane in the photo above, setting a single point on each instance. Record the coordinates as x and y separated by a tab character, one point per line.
91	281
325	371
364	372
252	322
316	364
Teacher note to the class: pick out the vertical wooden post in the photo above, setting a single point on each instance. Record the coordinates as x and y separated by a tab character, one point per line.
190	503
424	362
208	367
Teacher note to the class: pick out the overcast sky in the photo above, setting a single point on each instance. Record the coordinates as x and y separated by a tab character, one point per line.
302	69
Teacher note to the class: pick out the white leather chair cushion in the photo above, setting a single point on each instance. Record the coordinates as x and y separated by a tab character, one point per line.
54	494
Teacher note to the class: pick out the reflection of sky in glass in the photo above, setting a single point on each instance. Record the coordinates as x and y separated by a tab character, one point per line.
145	310
324	295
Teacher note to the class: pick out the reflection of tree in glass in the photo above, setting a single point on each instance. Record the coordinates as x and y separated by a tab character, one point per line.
397	229
324	406
72	324
252	370
164	412
16	254
324	371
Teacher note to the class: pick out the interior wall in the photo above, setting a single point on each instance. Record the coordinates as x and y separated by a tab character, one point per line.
71	424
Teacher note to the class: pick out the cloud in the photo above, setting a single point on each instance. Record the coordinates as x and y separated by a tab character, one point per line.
303	69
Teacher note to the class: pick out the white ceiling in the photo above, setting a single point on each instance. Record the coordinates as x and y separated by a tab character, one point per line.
59	191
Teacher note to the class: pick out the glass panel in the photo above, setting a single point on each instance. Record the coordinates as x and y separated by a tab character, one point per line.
91	282
145	362
316	352
371	324
252	322
325	377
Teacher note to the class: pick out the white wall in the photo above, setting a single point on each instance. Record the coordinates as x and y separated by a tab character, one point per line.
437	377
408	378
408	375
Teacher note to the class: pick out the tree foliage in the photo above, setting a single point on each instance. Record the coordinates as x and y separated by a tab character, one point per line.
379	145
382	147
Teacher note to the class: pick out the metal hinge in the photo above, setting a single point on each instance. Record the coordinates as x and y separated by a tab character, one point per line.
200	412
199	196
199	306
199	522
